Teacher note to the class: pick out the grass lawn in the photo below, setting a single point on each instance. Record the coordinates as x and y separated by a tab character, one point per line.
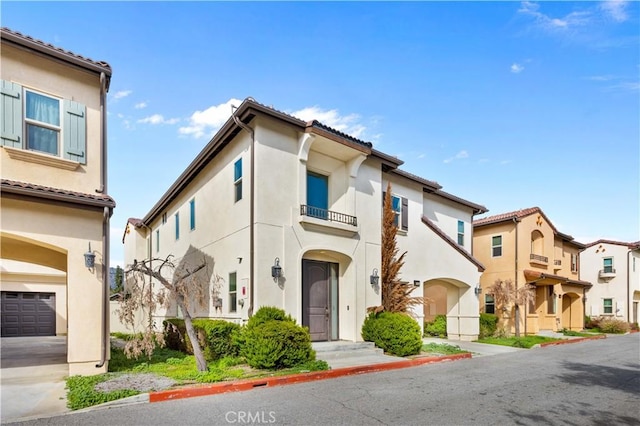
590	333
518	342
442	349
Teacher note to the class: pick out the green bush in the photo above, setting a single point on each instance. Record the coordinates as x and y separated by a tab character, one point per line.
437	327
488	325
268	313
614	326
277	344
219	338
395	333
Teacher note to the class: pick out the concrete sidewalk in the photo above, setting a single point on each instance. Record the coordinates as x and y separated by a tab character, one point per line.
476	349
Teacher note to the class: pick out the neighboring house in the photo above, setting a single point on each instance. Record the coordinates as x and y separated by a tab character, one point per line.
54	198
270	190
523	246
614	269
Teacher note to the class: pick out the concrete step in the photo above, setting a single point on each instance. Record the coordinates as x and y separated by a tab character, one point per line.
358	353
341	345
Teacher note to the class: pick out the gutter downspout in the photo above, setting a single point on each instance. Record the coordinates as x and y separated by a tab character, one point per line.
251	207
628	287
106	215
515	222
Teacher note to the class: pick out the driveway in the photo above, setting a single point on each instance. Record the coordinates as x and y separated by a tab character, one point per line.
32	377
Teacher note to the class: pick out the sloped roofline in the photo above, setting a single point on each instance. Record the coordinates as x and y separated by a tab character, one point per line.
56	194
632	245
26	42
452	243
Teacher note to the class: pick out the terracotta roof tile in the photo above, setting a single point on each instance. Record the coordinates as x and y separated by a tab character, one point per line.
632	245
517	214
12	186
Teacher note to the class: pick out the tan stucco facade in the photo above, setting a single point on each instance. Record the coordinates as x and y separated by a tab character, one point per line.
533	252
52	207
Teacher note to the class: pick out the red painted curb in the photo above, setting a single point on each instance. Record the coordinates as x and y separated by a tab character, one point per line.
244	385
564	342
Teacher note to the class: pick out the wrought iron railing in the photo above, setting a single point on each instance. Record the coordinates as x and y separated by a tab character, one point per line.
539	258
324	214
607	270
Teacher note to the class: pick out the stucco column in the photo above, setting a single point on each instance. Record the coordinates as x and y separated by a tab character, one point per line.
352	166
304	145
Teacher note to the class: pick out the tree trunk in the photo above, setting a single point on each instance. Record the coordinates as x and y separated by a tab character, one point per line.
517	320
201	363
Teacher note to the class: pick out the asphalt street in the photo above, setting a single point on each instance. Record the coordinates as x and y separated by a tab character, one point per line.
588	383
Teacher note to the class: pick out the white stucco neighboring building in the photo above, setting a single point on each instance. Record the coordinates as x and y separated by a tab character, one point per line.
272	190
614	269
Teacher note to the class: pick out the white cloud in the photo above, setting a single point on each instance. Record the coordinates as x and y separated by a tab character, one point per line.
460	155
505	162
601	78
122	94
207	122
158	119
140	105
348	124
546	22
516	68
421	156
615	10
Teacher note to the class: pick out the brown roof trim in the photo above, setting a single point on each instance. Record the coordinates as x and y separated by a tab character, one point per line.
428	185
387	160
477	208
56	194
316	125
543	275
452	243
138	223
633	245
30	43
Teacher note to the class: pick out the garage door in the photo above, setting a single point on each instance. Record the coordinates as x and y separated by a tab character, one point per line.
28	314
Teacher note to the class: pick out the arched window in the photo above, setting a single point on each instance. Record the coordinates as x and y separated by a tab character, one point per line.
537	243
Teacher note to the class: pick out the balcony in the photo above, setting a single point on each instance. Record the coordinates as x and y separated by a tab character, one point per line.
557	262
607	273
318	219
538	259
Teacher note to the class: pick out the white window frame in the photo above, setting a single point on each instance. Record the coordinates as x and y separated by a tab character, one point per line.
604	306
604	267
233	307
237	182
461	234
397	219
30	121
574	262
493	247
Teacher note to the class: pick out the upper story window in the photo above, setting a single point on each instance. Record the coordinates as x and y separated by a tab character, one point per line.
574	262
607	264
192	214
164	218
177	218
496	246
317	195
461	233
237	180
42	123
537	242
157	240
400	207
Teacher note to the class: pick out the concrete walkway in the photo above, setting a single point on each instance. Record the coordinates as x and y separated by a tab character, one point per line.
476	349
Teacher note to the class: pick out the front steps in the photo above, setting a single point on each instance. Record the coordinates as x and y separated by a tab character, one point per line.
339	354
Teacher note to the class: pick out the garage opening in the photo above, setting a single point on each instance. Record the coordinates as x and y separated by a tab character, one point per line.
28	314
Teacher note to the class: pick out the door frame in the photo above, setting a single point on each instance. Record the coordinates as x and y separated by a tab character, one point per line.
333	293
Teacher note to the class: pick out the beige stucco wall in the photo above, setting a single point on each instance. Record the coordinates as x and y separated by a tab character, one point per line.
66	230
65	82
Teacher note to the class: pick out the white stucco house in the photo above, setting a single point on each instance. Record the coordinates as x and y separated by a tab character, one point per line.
272	190
614	269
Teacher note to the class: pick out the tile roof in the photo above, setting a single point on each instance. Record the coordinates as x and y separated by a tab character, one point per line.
632	245
544	275
503	217
452	243
23	188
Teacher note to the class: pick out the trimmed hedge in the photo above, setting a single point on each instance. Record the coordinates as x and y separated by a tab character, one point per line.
488	325
217	337
268	313
437	327
277	344
395	333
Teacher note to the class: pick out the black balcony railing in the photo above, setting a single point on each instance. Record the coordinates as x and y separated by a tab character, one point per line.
324	214
539	258
607	270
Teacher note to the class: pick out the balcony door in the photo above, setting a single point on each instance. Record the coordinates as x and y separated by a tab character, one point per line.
317	195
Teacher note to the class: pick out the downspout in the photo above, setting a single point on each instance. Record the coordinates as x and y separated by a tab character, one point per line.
106	215
515	222
251	206
628	287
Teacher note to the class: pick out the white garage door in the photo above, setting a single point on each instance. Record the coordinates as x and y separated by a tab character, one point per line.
28	314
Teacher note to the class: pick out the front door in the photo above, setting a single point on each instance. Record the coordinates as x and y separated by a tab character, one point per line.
318	306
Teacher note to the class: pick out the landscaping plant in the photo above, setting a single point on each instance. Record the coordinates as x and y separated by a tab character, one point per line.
394	332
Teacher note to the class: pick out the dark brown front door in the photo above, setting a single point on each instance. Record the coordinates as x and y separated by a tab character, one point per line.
315	298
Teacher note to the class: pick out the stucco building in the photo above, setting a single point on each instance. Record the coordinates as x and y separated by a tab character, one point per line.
525	247
614	269
272	191
54	198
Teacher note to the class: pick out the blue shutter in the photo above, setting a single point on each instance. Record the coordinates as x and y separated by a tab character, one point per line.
11	114
75	132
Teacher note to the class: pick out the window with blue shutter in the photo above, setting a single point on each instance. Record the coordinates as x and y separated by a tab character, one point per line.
75	132
11	114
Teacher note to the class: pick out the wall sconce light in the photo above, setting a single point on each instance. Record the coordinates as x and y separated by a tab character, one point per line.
276	269
374	279
89	258
416	283
478	290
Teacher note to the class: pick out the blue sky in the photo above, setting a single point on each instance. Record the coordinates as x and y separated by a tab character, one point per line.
507	104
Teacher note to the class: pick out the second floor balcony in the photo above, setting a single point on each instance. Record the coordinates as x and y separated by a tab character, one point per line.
538	259
327	219
607	273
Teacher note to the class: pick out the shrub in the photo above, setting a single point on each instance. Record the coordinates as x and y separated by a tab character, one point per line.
268	313
612	325
277	344
634	326
219	338
437	327
591	322
488	325
175	334
396	333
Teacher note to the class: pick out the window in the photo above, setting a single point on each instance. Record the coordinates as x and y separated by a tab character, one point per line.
233	292
400	207
489	304
157	240
551	301
38	122
607	264
164	218
192	214
496	246
317	195
608	306
461	233
574	262
237	180
177	216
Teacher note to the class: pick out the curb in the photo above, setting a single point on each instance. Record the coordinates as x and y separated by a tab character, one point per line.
581	339
245	385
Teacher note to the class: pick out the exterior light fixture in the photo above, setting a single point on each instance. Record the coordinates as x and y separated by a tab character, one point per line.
416	283
89	258
374	278
276	269
478	290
